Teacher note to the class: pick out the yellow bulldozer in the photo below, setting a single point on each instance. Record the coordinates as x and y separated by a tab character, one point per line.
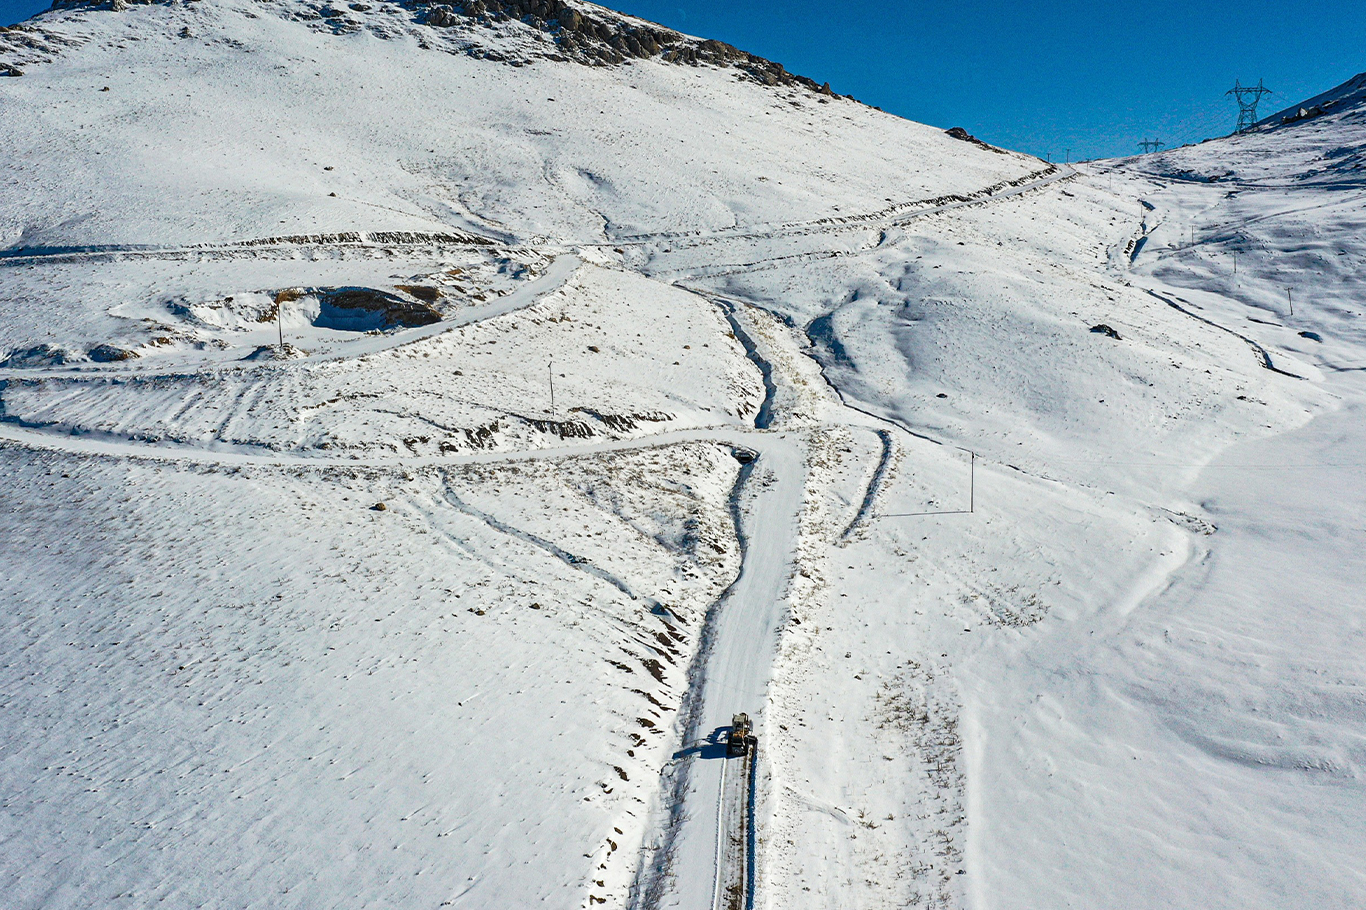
741	736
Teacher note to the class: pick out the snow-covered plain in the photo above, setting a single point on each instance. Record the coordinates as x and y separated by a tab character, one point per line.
1030	613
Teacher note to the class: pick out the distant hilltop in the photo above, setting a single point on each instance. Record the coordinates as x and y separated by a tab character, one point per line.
1350	93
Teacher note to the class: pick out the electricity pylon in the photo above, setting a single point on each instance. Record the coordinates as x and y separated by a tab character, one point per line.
1151	145
1247	96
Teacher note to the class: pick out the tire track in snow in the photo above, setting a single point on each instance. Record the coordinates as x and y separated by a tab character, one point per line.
983	197
1263	355
892	215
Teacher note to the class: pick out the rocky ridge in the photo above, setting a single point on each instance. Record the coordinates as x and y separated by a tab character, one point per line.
583	33
596	36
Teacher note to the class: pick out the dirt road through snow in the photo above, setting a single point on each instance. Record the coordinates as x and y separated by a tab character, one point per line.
731	675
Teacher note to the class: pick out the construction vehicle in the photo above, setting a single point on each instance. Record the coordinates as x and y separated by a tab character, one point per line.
741	735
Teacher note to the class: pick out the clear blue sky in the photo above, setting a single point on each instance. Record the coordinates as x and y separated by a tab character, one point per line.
1038	77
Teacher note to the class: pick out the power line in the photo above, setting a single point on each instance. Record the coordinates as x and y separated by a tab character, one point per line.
1247	97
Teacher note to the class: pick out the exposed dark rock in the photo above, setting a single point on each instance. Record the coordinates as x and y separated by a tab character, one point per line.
587	34
959	133
1304	113
565	429
442	17
1103	329
422	292
275	352
621	423
108	353
484	437
43	355
597	37
366	309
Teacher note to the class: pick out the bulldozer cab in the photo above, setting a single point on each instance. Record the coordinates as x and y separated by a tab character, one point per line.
741	735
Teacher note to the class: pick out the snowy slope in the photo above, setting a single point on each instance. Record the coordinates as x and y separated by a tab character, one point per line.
1025	528
249	120
1346	96
1127	679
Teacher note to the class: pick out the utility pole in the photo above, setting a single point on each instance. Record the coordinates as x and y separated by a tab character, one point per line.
280	325
1291	300
552	390
972	481
1151	145
1067	159
1247	97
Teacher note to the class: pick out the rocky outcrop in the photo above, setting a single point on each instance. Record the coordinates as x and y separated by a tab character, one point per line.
366	309
442	17
28	44
596	37
963	135
108	353
43	355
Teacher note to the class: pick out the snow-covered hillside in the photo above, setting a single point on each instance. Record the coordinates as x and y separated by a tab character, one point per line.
629	381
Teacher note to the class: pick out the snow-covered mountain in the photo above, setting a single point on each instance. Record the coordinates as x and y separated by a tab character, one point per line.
1346	97
425	425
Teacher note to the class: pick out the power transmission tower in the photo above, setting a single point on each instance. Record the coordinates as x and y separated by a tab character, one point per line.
1151	145
1247	97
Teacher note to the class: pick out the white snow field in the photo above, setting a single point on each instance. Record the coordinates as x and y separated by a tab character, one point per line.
629	382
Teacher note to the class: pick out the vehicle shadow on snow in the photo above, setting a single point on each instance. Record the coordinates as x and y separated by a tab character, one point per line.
714	746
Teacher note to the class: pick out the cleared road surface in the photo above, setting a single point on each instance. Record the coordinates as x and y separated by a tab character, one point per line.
735	674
